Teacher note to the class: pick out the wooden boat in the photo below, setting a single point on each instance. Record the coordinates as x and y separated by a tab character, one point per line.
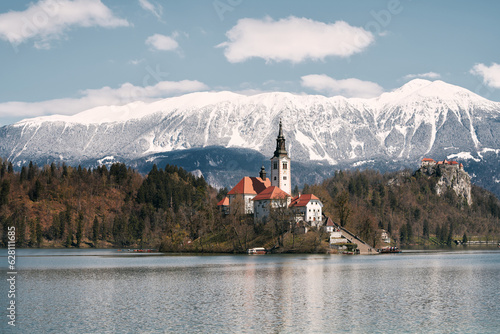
389	250
257	251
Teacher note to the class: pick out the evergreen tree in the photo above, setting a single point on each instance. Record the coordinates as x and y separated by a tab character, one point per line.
4	192
3	169
32	227
425	231
449	239
53	169
35	192
65	172
24	174
31	171
95	231
464	239
79	229
69	240
38	232
20	232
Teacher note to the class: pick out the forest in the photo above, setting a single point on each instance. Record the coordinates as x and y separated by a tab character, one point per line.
172	210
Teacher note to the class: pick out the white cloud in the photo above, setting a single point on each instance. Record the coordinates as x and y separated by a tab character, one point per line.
47	20
156	10
346	87
293	39
490	75
90	98
428	75
162	42
136	61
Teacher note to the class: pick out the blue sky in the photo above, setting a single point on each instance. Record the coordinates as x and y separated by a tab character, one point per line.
62	56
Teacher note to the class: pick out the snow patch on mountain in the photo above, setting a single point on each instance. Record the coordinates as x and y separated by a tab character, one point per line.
421	118
462	156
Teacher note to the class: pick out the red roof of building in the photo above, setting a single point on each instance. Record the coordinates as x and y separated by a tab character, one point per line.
271	193
302	200
428	160
250	185
452	162
329	222
224	202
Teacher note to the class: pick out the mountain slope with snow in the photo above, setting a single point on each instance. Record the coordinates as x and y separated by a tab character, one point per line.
421	118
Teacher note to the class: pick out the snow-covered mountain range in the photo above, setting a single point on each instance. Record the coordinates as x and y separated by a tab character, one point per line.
421	118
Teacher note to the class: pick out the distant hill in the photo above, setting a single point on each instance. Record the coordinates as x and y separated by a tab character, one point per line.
63	206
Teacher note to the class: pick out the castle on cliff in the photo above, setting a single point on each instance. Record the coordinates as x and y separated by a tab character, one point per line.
451	175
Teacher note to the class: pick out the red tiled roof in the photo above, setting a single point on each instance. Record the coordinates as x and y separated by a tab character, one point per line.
329	222
428	160
250	185
302	200
223	202
271	193
453	162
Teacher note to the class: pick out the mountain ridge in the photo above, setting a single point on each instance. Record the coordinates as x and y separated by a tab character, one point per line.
421	118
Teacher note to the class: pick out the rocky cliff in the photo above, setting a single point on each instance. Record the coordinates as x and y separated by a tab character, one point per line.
451	175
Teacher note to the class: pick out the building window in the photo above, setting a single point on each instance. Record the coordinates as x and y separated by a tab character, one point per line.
275	178
284	177
275	165
285	165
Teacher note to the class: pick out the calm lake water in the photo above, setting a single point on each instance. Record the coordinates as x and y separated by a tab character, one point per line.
106	291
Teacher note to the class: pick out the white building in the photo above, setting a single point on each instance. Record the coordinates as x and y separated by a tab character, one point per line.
247	189
273	198
308	208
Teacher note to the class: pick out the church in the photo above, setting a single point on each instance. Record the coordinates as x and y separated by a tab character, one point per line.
259	196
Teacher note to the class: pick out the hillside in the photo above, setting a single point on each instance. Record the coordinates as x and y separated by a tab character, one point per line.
63	206
413	207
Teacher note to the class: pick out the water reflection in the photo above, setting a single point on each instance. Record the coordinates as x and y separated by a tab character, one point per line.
404	293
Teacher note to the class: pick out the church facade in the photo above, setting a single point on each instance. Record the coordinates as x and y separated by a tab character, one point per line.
260	196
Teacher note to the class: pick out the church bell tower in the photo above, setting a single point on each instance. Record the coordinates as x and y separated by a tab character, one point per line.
280	165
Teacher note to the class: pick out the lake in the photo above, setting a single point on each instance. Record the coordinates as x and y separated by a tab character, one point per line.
107	291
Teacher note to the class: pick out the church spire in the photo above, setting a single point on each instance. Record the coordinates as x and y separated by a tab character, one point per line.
281	176
280	144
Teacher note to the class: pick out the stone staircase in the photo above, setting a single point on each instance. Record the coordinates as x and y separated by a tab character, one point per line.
363	247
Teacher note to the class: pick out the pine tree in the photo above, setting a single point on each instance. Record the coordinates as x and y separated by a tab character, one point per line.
4	192
79	229
24	174
425	231
31	171
95	231
449	239
38	232
69	240
3	169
